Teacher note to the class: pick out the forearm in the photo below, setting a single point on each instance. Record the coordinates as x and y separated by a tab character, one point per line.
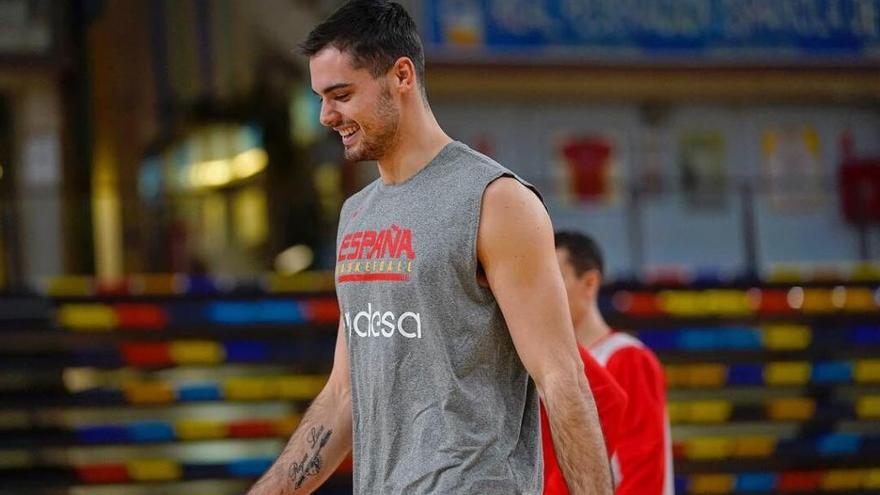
315	450
577	436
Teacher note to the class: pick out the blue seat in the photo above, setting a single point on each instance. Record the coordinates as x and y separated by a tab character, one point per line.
269	312
102	434
740	338
659	340
246	352
699	340
865	335
745	374
248	467
832	372
202	391
681	484
755	482
838	444
201	285
150	431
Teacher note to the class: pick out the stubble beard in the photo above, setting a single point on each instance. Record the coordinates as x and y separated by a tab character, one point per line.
378	139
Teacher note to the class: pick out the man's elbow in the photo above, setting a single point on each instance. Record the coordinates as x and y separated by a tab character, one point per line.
564	377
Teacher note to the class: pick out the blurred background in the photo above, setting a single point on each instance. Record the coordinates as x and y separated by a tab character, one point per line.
168	208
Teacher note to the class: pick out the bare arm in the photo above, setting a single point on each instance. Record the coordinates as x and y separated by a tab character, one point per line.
320	442
516	249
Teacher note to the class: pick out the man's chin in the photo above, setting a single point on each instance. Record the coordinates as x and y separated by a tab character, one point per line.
354	155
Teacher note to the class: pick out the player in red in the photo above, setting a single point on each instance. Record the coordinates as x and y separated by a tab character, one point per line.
642	455
611	404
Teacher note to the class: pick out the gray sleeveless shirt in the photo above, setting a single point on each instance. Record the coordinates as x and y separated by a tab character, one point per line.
441	402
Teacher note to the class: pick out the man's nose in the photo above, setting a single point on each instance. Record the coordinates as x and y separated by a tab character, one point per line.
329	115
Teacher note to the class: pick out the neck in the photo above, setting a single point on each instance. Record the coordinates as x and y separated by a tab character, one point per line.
419	140
591	328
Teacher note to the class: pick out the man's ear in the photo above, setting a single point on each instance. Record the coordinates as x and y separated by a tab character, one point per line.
403	74
592	281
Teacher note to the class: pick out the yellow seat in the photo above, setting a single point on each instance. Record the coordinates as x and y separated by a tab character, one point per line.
872	479
149	392
301	387
785	274
868	406
865	272
154	470
786	337
711	483
860	300
787	373
246	388
676	376
160	284
197	352
301	282
70	286
87	317
709	448
867	371
754	446
728	302
200	429
18	459
791	409
818	301
706	375
843	479
712	411
681	302
679	412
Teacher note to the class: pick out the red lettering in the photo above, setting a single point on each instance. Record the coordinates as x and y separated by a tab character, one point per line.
346	242
367	243
376	252
355	245
405	245
393	240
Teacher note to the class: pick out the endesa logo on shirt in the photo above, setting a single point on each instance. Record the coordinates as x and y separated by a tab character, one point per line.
377	323
376	255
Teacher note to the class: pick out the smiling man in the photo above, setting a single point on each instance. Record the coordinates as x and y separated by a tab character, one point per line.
454	318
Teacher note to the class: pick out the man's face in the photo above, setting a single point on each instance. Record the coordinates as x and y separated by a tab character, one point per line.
573	283
358	106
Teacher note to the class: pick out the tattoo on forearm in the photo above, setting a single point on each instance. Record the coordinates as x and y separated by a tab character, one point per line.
310	464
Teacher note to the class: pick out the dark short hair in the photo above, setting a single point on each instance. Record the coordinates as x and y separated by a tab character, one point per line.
376	33
583	252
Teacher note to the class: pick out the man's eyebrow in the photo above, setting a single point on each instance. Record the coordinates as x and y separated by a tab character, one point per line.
332	87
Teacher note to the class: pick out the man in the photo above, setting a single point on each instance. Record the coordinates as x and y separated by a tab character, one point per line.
642	461
450	298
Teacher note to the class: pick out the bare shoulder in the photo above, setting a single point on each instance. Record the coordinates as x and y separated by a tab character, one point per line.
512	218
507	193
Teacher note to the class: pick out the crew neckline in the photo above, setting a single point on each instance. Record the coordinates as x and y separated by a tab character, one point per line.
445	150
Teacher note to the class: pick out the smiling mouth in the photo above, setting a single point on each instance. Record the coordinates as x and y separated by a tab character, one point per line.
348	133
